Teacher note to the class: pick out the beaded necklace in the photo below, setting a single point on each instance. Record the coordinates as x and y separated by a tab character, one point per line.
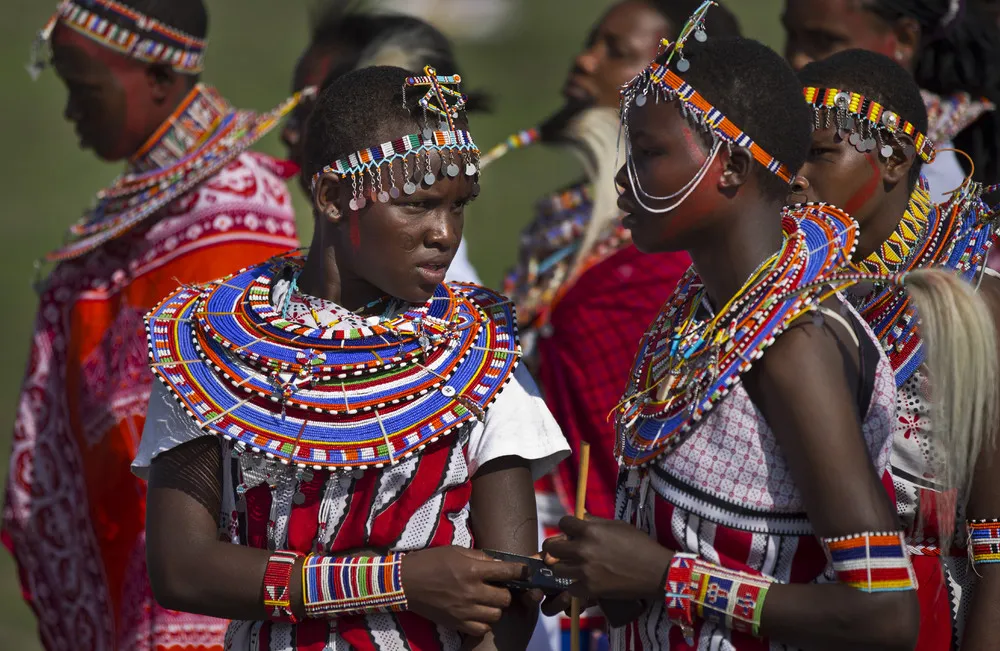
957	235
686	365
893	255
202	136
949	116
345	396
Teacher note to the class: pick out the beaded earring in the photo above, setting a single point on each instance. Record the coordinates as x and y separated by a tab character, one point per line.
442	101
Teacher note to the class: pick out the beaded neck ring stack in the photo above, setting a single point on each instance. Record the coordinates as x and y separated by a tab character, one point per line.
124	30
662	84
456	148
868	125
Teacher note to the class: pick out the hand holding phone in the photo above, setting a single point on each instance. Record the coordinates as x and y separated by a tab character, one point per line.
541	577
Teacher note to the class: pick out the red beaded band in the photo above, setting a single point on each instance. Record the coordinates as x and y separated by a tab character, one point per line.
680	592
277	586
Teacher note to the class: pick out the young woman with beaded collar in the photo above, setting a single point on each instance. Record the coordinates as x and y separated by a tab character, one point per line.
868	151
757	421
348	406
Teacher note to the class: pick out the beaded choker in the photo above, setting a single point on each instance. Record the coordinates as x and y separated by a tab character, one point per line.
686	364
957	235
948	116
330	396
870	125
124	30
459	154
202	136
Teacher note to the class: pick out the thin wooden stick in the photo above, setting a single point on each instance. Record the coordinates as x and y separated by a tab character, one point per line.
581	498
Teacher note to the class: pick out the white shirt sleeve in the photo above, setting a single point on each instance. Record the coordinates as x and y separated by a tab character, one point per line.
167	427
519	425
461	270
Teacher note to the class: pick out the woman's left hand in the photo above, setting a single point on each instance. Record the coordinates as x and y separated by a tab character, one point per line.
608	559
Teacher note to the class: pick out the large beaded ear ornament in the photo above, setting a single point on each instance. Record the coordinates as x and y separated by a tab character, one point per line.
662	84
866	124
459	154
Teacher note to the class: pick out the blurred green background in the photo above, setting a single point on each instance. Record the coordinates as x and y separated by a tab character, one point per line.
46	180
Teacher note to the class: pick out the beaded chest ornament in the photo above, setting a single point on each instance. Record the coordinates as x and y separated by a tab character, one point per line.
459	154
124	30
344	396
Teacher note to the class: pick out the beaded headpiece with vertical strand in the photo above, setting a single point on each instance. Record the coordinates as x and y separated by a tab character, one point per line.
124	30
867	125
459	155
663	84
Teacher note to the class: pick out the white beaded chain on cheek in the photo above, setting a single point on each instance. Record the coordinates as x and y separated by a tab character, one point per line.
685	191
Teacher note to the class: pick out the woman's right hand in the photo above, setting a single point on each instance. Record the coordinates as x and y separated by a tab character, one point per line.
458	588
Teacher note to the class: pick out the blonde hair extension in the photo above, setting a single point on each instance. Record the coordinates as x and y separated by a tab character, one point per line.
960	347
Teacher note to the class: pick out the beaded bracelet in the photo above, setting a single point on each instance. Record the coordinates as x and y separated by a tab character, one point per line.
984	541
680	592
352	585
277	586
731	598
872	561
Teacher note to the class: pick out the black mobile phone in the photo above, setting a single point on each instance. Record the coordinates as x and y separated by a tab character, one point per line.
540	577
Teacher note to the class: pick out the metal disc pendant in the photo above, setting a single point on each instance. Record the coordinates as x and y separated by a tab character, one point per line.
470	169
453	170
640	100
700	35
353	204
383	196
683	65
886	151
855	139
299	498
870	144
362	202
429	179
358	473
428	133
409	187
394	192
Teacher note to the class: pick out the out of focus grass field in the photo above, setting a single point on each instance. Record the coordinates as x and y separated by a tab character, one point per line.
46	180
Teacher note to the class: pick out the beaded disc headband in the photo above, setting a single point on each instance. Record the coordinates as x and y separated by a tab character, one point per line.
663	84
459	154
870	125
124	30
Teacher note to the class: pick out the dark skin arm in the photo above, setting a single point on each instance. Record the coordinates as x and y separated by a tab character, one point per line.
802	390
984	503
504	518
191	570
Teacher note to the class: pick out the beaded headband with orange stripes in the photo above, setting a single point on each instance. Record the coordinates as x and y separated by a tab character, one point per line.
124	30
870	124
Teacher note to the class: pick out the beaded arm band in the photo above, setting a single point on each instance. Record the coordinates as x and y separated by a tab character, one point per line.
717	594
872	561
868	122
277	586
124	30
352	585
984	541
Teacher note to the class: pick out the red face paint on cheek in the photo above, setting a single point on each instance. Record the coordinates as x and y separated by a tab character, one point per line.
867	191
354	225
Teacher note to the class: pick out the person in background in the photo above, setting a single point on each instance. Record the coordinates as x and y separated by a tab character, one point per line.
940	479
345	38
583	292
952	48
191	204
335	503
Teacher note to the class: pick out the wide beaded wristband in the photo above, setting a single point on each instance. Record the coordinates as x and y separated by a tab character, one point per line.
731	598
984	541
872	561
277	586
680	591
352	585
